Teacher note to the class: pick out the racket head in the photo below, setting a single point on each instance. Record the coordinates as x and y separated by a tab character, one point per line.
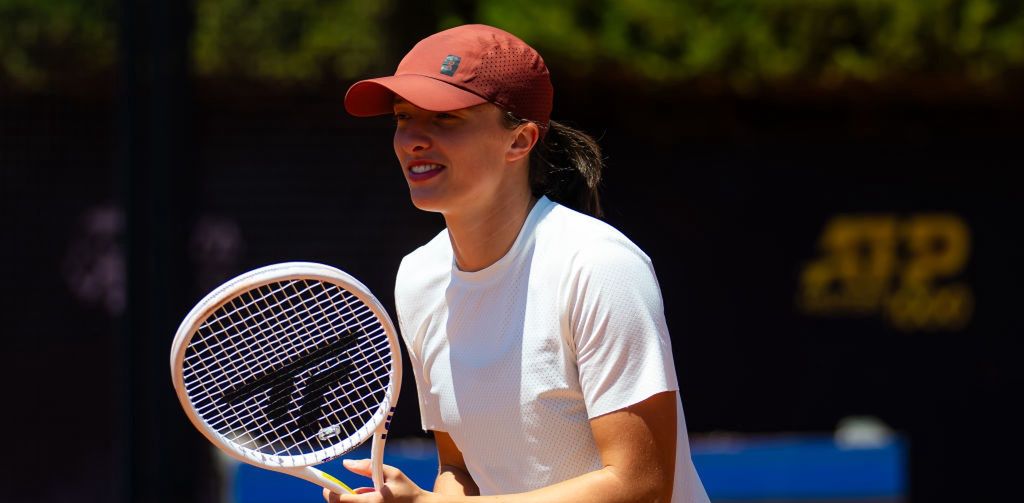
248	373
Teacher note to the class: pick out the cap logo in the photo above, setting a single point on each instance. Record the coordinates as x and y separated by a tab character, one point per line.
450	64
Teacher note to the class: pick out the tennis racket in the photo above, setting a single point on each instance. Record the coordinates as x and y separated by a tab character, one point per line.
288	366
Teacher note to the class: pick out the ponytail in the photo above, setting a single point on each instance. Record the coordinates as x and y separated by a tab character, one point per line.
566	166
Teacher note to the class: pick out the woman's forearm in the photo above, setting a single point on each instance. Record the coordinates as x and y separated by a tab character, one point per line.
637	446
606	485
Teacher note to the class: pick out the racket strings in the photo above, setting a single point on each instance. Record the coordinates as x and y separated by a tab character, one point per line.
273	367
365	395
273	308
225	349
267	339
258	439
231	393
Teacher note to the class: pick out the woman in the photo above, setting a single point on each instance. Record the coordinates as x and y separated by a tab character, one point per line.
536	333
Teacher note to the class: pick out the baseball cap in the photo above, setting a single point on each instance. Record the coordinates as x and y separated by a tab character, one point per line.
461	67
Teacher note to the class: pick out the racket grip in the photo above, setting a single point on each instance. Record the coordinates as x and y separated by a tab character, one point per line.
325	480
377	459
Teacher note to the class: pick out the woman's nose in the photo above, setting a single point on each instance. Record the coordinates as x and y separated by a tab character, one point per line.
412	139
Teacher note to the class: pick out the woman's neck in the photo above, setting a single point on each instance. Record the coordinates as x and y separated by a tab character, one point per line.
480	239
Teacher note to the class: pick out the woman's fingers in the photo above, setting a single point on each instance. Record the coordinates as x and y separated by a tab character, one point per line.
360	466
397	486
330	497
392	473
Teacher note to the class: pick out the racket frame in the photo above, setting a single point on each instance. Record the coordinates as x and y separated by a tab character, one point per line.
300	466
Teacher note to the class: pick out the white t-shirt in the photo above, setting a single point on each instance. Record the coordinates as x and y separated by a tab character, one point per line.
514	360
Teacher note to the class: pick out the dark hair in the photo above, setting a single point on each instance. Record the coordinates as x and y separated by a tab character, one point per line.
566	166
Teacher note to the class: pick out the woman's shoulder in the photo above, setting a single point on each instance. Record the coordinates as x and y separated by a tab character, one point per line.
578	236
434	256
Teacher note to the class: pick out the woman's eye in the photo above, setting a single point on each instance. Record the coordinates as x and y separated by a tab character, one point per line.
400	117
444	115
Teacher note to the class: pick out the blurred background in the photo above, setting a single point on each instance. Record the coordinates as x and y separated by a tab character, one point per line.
824	187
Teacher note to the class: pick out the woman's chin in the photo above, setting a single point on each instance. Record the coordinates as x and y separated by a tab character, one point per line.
426	202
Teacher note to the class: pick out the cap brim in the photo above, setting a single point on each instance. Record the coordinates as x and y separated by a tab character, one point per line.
371	97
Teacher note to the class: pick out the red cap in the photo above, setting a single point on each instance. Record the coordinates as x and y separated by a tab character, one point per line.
458	68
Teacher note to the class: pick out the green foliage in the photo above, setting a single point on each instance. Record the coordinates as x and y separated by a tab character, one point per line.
295	40
747	42
743	43
40	40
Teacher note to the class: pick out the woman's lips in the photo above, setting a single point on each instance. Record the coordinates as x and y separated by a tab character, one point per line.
419	171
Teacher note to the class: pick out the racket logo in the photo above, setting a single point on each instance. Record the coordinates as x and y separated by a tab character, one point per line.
281	385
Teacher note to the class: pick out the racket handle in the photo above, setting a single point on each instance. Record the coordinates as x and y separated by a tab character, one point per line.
377	459
319	478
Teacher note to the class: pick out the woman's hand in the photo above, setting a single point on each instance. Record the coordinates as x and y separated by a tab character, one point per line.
397	487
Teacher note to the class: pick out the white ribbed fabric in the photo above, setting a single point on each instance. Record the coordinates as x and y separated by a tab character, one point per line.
514	360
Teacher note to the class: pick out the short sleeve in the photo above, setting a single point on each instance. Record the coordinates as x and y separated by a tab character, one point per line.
618	326
429	413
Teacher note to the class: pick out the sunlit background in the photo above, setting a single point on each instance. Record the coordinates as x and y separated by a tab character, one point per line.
824	187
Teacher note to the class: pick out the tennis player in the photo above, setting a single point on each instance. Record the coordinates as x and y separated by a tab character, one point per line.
536	332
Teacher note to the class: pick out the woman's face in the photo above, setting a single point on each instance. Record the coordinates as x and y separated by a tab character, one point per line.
455	161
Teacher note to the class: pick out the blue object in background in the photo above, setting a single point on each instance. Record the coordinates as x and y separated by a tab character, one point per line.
778	468
800	468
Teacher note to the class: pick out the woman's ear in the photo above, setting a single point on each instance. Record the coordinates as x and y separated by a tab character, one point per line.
526	136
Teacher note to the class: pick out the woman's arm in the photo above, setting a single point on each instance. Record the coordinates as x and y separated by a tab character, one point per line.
637	446
452	476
